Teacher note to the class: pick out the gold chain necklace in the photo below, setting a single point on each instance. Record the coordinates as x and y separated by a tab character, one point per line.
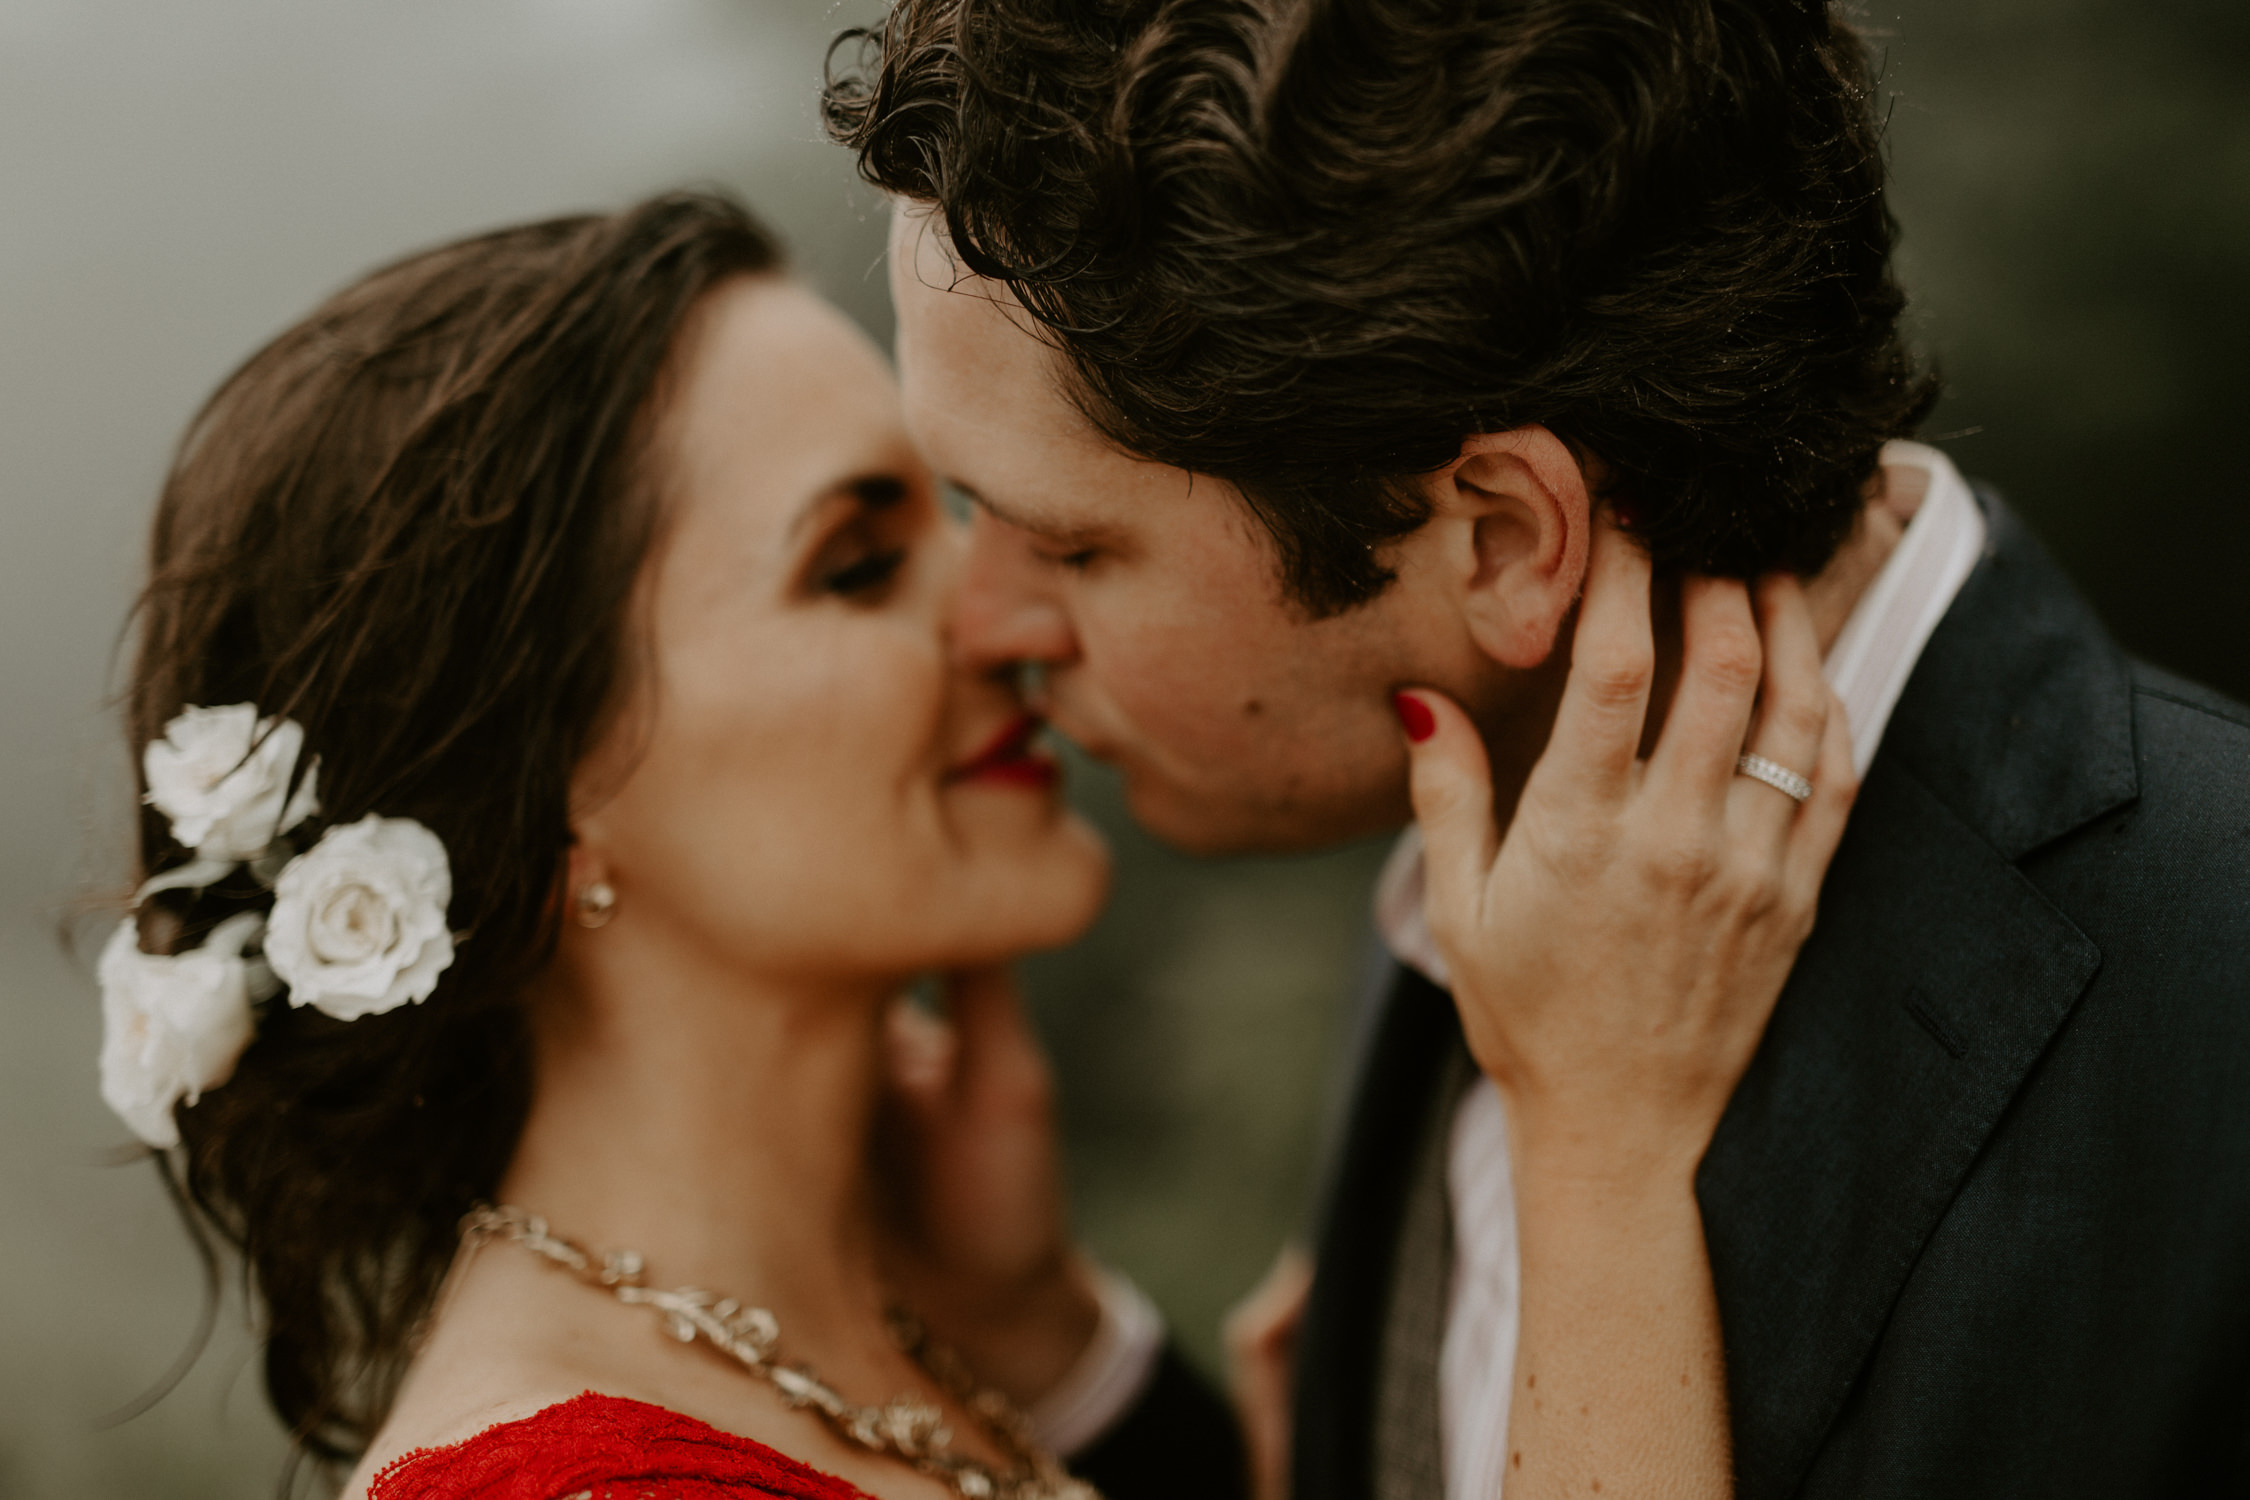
911	1431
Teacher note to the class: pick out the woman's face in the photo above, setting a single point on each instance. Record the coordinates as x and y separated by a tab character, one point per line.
806	783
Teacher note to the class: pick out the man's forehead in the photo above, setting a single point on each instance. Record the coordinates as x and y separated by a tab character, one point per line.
985	397
929	279
919	249
980	382
967	347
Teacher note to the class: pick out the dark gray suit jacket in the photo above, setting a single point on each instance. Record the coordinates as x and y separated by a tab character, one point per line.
1979	1213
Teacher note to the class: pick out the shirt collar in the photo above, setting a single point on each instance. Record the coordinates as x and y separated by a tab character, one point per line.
1868	666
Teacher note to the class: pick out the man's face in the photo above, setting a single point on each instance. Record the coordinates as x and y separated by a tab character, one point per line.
1152	597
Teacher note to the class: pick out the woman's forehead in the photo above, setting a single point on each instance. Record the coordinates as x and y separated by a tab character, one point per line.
779	400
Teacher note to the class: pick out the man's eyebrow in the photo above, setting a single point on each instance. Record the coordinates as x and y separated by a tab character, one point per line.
1064	535
869	491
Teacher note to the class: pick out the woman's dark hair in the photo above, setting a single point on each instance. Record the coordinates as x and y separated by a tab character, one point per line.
1308	246
412	523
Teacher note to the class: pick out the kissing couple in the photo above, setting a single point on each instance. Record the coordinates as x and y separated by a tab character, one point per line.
1813	1059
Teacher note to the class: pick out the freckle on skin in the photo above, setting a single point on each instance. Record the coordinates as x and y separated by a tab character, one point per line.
1517	1458
1253	708
1531	1382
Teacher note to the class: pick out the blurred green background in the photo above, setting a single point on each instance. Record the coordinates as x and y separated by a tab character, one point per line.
179	179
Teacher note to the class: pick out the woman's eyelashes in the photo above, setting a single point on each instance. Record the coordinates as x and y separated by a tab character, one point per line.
864	574
871	544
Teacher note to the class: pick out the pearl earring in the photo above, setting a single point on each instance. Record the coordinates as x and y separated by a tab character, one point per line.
596	903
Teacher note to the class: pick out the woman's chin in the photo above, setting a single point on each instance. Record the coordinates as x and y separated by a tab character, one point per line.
1041	895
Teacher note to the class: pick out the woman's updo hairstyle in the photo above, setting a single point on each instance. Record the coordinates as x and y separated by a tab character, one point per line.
412	523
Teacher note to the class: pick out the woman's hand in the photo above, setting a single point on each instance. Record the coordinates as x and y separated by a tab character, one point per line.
979	1246
1615	956
1261	1343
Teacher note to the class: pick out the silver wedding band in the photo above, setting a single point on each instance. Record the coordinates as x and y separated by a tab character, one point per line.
1779	777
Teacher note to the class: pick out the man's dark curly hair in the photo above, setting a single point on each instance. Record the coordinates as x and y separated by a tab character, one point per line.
1309	246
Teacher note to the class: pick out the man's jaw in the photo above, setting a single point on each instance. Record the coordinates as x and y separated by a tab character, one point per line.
1240	816
1240	809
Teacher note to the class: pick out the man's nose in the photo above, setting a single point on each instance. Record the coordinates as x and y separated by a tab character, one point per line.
1007	609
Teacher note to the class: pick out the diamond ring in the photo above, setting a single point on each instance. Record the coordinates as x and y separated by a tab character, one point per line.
1777	776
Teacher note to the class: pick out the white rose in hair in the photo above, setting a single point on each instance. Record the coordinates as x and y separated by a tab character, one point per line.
226	788
172	1026
358	924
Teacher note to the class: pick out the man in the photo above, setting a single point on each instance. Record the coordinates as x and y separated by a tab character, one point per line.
1288	350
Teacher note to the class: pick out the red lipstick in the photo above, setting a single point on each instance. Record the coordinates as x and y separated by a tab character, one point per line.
1011	758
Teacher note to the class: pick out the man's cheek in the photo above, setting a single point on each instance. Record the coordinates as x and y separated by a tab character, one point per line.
1172	678
1193	723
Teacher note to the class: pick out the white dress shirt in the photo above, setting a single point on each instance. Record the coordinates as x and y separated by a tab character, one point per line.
1109	1376
1868	667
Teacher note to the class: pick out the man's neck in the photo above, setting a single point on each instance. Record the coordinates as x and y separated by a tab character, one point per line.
1832	593
1517	735
1893	496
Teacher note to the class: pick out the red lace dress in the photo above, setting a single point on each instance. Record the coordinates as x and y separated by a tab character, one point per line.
604	1448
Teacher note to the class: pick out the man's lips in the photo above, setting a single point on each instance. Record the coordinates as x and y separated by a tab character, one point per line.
1011	757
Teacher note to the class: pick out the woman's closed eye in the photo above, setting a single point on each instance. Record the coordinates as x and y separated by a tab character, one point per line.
866	573
870	539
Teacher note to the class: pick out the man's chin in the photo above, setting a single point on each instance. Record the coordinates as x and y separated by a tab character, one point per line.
1207	825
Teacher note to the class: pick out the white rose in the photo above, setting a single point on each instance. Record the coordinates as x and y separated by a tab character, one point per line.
225	798
172	1026
358	924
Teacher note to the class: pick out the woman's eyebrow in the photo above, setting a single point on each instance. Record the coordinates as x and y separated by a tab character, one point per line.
876	491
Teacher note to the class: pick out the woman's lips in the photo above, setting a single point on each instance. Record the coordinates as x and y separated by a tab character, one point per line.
1011	758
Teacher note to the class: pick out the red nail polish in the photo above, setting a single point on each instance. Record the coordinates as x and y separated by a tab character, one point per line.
1415	716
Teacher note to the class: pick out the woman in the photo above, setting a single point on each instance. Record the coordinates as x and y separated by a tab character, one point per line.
555	772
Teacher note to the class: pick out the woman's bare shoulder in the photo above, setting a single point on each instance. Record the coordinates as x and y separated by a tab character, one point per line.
425	1426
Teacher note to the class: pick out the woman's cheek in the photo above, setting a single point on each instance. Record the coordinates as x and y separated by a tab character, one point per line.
908	706
865	752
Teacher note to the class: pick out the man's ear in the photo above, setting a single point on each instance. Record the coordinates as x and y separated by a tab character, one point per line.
1520	500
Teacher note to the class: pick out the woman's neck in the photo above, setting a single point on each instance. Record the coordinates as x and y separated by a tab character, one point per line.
718	1123
715	1121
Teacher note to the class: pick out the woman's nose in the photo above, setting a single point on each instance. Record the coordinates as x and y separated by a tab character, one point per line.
1005	607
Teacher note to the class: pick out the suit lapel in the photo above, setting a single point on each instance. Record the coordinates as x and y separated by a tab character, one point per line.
1929	989
1339	1351
1932	984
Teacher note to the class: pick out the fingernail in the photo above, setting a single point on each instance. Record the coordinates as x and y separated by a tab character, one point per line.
1415	716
